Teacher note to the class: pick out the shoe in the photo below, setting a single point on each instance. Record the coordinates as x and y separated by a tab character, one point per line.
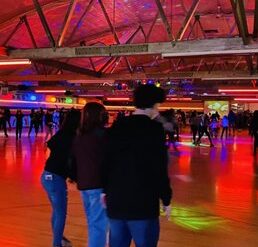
66	242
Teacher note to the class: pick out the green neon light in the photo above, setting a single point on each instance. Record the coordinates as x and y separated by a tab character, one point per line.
69	100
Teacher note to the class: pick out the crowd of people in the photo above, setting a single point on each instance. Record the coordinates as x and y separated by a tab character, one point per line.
36	121
212	124
120	171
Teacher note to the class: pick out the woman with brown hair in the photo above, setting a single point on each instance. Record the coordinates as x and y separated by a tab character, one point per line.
88	150
56	171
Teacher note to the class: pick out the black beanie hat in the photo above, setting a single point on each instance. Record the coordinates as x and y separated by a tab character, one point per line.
146	96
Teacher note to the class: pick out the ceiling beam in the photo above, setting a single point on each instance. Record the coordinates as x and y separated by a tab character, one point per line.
31	11
206	47
164	20
25	20
109	22
240	17
69	67
241	21
203	75
75	29
44	23
66	22
255	31
13	32
112	28
187	20
113	60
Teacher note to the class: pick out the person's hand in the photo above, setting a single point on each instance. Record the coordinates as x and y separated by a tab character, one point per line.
103	200
167	211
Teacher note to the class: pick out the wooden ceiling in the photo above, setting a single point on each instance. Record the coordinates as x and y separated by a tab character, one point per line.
30	24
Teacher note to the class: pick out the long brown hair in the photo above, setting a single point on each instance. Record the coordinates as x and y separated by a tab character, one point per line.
94	115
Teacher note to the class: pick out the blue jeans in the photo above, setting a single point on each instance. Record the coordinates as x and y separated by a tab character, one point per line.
145	233
56	189
96	217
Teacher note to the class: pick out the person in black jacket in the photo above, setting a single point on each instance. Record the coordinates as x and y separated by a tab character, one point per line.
56	172
135	173
254	130
33	122
19	123
3	122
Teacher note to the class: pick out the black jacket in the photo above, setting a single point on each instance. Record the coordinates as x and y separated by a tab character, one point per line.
135	169
60	146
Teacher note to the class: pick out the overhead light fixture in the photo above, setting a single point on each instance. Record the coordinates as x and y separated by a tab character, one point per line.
123	108
178	99
117	99
50	91
244	90
247	99
15	62
38	103
91	95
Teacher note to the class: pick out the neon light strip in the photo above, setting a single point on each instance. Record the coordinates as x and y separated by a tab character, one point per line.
246	99
238	90
179	99
50	91
15	62
160	108
107	107
91	95
118	99
38	103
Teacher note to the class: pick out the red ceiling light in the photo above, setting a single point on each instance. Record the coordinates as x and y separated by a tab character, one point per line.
49	91
15	62
247	99
243	90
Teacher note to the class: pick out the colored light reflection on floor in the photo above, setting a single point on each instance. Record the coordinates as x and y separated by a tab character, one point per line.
194	218
190	144
185	143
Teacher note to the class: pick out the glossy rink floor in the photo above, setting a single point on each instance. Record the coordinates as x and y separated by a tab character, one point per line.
215	196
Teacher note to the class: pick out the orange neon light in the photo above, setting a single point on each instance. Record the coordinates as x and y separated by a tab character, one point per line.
49	91
15	62
50	98
82	101
53	99
244	90
118	99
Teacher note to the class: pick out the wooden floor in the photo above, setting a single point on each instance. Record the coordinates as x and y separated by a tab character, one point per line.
215	196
